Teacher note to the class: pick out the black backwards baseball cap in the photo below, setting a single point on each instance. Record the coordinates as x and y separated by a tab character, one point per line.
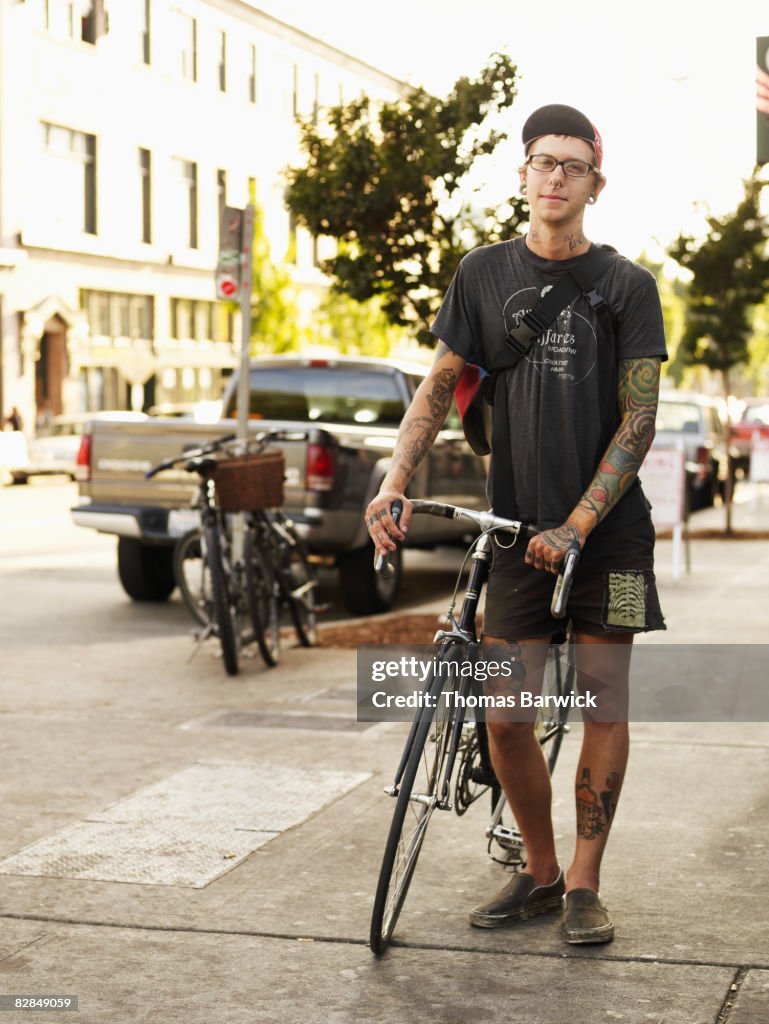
557	119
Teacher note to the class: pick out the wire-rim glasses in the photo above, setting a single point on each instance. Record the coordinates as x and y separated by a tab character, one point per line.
546	163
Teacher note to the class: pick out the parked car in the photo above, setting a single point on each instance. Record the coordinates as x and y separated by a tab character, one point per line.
754	420
695	423
55	448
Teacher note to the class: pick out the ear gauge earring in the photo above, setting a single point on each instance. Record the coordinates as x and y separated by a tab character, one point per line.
523	189
592	198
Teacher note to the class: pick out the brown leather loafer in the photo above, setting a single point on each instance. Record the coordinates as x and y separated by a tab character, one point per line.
520	898
585	918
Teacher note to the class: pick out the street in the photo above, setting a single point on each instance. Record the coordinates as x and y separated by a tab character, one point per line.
177	845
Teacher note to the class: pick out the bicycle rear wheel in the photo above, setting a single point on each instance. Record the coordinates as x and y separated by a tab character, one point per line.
299	582
223	600
418	797
263	604
558	682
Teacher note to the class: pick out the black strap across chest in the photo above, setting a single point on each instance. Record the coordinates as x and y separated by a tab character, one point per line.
578	280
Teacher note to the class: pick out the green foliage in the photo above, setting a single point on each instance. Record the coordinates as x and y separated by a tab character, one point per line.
673	300
387	183
730	275
274	310
357	328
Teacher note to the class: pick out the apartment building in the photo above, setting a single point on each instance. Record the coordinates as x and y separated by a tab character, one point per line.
125	125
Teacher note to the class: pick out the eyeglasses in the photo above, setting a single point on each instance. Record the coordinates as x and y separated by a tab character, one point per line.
574	168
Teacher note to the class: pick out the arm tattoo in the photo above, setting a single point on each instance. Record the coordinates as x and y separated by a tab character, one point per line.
417	433
637	392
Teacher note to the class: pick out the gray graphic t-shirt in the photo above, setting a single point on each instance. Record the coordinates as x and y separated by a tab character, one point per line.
562	395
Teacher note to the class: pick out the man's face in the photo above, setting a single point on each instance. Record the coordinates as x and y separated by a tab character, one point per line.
554	196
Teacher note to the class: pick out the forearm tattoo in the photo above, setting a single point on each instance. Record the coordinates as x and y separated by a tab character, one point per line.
596	810
562	537
417	433
637	393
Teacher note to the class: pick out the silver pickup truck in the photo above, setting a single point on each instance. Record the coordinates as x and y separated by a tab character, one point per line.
350	409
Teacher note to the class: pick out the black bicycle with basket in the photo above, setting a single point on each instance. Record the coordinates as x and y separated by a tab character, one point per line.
244	564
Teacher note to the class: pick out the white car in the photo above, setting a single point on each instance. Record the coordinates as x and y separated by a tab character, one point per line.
55	448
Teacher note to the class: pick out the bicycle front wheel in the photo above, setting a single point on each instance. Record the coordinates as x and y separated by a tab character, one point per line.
193	577
223	600
418	796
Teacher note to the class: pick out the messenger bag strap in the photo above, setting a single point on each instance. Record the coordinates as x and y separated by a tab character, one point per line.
578	280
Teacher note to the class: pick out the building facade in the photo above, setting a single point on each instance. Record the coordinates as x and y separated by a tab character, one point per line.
125	126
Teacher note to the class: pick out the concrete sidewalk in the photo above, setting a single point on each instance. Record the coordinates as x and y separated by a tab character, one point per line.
177	846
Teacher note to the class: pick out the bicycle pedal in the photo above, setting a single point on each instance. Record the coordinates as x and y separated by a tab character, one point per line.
507	837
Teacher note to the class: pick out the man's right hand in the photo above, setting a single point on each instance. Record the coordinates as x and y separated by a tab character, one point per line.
380	524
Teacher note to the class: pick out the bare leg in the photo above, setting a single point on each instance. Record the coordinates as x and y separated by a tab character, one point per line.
603	759
521	768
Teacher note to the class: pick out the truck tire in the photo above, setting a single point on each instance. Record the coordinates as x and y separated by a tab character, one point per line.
146	571
365	592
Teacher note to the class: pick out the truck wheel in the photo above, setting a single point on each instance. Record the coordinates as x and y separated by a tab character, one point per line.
146	571
365	591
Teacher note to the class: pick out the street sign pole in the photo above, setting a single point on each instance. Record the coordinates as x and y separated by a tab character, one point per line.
244	377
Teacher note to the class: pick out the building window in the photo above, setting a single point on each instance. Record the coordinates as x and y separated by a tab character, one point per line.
187	192
223	62
186	32
118	314
71	158
252	94
199	320
145	174
76	19
146	25
93	20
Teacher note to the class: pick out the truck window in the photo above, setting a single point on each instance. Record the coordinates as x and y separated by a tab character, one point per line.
323	394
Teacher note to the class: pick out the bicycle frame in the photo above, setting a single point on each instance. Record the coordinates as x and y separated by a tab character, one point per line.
431	752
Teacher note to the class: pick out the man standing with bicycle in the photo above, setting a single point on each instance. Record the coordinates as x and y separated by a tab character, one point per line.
574	407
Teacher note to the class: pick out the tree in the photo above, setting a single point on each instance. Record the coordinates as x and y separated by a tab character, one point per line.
274	310
357	328
730	276
390	185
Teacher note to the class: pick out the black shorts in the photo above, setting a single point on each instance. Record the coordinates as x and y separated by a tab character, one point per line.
614	588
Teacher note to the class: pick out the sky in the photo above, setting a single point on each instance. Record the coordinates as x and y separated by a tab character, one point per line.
669	83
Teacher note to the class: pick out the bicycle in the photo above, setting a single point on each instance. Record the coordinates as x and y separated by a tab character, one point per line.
240	566
440	738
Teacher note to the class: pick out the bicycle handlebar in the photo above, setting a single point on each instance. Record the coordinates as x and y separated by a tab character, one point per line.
564	581
191	454
487	522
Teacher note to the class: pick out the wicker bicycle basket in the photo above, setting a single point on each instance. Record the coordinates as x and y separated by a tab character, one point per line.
247	482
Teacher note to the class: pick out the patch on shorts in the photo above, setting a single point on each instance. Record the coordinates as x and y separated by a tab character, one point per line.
625	606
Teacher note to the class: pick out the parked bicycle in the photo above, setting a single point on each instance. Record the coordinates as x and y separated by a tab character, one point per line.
445	762
245	562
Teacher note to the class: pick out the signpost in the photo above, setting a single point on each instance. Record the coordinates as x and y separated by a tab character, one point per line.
233	283
663	476
759	458
762	119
